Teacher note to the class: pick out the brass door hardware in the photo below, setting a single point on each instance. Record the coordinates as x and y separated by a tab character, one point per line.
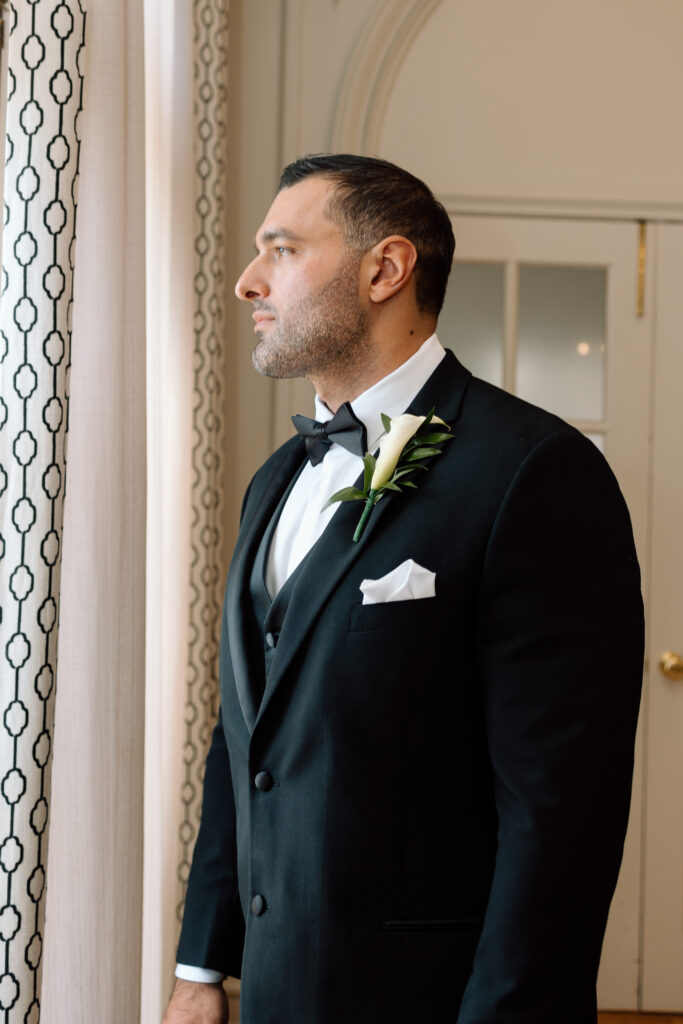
671	665
642	257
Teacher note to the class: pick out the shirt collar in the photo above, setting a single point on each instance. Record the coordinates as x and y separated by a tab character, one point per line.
392	394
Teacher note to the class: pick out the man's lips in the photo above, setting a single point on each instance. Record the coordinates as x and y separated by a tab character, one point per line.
259	317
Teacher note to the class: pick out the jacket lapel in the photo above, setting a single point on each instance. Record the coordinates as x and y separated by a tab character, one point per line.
334	553
264	503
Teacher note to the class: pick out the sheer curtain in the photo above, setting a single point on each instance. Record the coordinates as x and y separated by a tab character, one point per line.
170	225
138	88
94	884
186	71
142	535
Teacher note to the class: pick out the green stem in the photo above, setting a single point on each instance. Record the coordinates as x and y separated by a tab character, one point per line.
370	501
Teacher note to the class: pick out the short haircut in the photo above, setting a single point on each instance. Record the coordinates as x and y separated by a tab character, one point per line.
374	199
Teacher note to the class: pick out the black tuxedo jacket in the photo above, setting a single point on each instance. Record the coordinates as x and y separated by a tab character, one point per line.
441	826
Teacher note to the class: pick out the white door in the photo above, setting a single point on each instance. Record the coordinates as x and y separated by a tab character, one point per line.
548	309
662	927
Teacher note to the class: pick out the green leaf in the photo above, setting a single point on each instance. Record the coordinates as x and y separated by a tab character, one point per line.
391	486
409	483
386	420
402	472
422	453
346	494
433	438
368	469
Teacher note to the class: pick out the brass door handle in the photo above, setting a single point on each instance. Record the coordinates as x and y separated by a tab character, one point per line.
671	665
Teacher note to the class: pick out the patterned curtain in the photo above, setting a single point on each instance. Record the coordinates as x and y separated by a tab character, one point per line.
42	149
207	568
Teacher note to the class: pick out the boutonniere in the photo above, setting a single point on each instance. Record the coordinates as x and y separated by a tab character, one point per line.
410	441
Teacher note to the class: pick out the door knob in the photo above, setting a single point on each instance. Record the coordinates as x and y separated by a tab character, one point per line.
671	665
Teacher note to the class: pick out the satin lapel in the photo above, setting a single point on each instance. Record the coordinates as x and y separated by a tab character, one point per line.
259	509
334	553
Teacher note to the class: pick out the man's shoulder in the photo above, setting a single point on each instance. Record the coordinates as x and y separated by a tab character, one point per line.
287	457
498	414
497	433
290	450
487	415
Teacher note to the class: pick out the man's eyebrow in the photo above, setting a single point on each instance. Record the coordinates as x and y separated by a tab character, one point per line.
273	233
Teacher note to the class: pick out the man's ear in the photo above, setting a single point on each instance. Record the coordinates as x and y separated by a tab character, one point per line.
390	267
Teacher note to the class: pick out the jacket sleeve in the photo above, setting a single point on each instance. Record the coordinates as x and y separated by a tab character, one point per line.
212	934
560	654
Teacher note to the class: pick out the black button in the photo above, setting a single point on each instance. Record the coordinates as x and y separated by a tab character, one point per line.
258	905
271	639
264	781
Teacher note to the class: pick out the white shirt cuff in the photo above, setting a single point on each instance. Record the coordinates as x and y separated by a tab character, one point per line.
203	974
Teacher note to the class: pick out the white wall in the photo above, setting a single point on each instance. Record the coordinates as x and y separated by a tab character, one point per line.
570	99
569	102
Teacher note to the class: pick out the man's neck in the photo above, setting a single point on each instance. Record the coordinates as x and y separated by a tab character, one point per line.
348	383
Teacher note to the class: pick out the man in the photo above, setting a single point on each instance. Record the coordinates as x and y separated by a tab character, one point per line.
414	809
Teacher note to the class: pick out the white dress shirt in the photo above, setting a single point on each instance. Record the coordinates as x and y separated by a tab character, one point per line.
302	520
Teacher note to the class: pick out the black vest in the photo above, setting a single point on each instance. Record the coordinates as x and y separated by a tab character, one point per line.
267	616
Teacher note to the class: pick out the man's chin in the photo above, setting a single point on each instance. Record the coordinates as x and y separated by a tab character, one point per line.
270	366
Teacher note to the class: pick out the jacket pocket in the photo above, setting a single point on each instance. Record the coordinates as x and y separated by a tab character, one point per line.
425	611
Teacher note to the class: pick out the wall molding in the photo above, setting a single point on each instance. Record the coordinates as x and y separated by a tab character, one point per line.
571	208
369	78
364	94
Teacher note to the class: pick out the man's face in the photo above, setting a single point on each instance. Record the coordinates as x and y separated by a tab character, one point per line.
304	287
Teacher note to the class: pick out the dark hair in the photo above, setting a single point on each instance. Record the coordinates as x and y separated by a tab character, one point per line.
373	199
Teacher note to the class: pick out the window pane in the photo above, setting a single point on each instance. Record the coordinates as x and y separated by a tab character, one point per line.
561	339
471	321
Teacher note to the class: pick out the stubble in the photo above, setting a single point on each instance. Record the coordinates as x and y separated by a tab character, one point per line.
326	333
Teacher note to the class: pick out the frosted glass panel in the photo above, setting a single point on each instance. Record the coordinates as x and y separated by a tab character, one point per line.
471	321
561	340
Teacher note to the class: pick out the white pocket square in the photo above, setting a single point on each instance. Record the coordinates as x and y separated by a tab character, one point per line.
406	582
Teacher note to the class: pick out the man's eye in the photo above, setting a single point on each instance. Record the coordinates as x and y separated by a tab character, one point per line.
283	250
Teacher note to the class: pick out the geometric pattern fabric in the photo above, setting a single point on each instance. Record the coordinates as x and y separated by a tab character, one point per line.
207	569
45	91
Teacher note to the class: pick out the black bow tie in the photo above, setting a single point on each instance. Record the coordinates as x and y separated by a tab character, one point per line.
344	428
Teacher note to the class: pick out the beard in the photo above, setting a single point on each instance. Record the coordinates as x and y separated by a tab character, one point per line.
324	332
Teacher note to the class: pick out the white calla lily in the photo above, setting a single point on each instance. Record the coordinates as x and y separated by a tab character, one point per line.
392	444
387	472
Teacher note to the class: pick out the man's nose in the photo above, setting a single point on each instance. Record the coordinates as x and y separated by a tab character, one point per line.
251	285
